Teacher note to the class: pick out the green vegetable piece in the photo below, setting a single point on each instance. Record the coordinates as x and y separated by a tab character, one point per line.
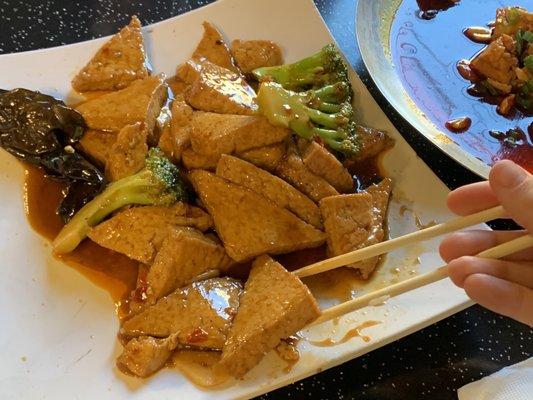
324	114
158	183
323	68
528	62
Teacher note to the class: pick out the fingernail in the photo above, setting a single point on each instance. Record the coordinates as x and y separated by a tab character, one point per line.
508	175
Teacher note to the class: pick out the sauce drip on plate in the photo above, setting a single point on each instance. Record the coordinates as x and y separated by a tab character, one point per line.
354	332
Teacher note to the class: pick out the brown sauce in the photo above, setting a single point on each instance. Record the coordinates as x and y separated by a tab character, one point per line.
112	271
425	55
352	333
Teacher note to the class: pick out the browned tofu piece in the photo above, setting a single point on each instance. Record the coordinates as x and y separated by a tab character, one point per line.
380	201
184	254
177	86
139	102
324	164
266	157
213	133
119	62
176	139
217	89
354	221
128	154
213	48
138	232
269	186
200	314
145	355
275	305
497	63
97	145
293	170
193	160
252	54
348	220
249	224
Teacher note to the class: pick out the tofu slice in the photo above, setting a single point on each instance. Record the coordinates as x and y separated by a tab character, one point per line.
217	89
199	314
372	142
139	102
252	54
128	154
213	133
275	305
177	138
213	48
266	157
348	221
354	221
184	254
293	170
324	164
118	63
97	145
138	232
380	201
192	160
278	191
249	224
145	355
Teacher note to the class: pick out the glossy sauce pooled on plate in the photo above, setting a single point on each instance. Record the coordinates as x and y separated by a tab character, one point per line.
425	53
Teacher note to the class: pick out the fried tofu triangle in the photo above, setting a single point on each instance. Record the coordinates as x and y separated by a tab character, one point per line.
275	305
139	102
118	63
249	224
213	48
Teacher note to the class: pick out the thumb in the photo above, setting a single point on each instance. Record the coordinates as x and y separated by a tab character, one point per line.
513	186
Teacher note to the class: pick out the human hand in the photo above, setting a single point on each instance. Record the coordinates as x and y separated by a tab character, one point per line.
503	286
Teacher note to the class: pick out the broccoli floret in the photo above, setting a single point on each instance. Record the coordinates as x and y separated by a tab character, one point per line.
314	114
323	68
158	183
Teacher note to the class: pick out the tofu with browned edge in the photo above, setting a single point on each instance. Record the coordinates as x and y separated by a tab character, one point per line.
271	187
380	201
216	89
119	62
138	232
293	170
249	224
145	355
199	314
139	102
213	48
213	133
354	221
324	164
128	154
253	54
96	145
275	305
184	254
177	137
266	157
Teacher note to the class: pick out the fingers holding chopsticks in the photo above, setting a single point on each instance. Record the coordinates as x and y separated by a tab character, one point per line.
470	243
501	296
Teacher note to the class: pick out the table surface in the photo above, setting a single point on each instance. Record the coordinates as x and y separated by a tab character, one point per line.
431	363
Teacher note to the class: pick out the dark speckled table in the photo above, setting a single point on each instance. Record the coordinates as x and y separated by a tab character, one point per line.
431	363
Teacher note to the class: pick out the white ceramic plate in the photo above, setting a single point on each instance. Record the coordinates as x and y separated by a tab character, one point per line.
57	329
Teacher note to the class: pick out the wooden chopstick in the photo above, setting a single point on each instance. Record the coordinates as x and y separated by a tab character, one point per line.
385	247
502	250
